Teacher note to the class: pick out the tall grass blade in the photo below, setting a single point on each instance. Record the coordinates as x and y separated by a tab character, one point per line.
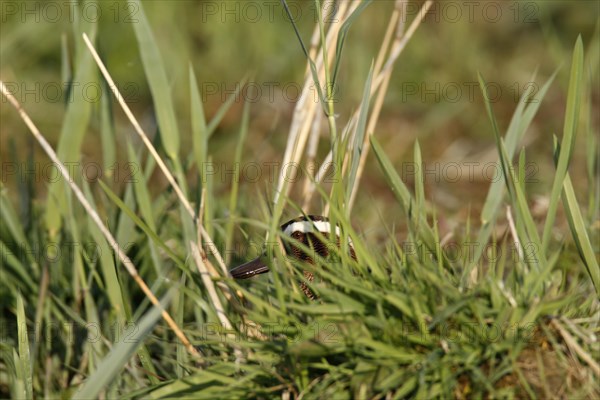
233	198
579	232
107	133
144	205
15	370
517	196
341	39
125	227
519	123
313	67
185	210
419	181
12	223
65	66
403	196
359	136
74	126
199	129
24	354
15	273
226	106
106	261
590	132
569	131
593	170
157	79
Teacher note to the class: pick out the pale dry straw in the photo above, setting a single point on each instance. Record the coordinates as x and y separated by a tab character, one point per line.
153	152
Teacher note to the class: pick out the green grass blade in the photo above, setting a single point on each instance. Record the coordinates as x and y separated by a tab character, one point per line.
144	205
65	66
140	186
120	354
24	355
105	260
590	132
579	232
12	222
218	117
398	187
15	369
521	177
209	202
519	123
107	133
182	354
419	182
341	39
74	127
570	130
407	387
199	129
140	224
359	136
157	79
292	20
403	195
593	170
125	231
313	67
233	198
530	235
14	272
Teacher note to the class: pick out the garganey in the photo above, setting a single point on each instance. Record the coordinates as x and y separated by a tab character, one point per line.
303	230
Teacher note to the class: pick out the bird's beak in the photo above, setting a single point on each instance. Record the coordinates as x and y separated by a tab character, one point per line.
251	268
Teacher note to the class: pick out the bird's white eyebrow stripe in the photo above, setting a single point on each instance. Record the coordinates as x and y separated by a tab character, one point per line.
309	226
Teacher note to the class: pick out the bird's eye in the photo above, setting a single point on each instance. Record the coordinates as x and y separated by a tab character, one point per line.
297	235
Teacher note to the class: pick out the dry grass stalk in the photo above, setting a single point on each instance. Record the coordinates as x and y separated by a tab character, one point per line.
125	260
305	119
153	152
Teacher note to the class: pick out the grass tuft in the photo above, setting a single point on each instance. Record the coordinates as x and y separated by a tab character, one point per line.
408	319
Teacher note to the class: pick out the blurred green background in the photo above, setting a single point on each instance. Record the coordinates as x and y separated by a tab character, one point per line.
433	96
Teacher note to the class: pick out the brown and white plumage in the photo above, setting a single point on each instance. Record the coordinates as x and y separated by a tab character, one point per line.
304	231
